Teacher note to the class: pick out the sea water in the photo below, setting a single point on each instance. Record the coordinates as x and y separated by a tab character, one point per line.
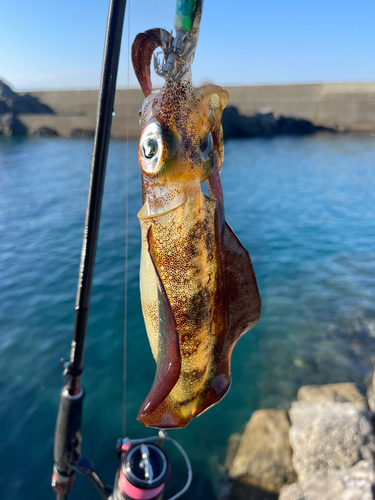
305	210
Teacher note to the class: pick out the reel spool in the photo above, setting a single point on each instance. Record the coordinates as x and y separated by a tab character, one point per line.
143	472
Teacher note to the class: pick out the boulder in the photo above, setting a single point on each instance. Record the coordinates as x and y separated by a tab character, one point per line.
287	125
328	437
4	108
267	122
333	393
233	444
234	490
264	124
45	132
371	396
80	133
10	125
239	126
6	124
356	483
264	457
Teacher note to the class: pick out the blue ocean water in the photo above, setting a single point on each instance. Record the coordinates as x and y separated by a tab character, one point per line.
305	210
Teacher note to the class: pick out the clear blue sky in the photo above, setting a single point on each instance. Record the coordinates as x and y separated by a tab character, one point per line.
47	44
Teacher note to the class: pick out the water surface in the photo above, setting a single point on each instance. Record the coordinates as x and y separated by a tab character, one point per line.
305	210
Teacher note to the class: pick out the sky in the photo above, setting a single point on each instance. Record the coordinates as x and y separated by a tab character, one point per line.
47	44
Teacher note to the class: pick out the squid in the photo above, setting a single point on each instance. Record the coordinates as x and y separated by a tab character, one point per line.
198	289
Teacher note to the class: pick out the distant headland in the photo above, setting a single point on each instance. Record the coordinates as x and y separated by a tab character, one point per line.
253	111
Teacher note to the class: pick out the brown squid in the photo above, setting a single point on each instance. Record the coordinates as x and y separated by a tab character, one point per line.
198	288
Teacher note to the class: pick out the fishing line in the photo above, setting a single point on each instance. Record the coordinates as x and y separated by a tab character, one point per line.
126	236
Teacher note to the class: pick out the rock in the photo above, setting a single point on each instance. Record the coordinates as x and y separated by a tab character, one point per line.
239	126
267	122
328	437
10	125
371	396
80	133
45	132
287	125
23	103
11	104
335	393
264	124
4	108
235	490
264	457
356	483
233	444
6	93
28	104
6	124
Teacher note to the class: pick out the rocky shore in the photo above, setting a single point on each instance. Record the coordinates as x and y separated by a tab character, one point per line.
323	448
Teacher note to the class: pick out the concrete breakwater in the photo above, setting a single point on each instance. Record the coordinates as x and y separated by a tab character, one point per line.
347	106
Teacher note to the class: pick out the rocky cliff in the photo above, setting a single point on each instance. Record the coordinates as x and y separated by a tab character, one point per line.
12	105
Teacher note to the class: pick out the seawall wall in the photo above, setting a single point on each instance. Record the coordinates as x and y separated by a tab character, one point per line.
349	106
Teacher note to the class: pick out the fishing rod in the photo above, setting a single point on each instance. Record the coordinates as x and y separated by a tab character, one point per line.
67	433
144	466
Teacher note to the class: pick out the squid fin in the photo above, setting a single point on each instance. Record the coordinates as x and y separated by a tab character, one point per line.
243	310
169	358
242	289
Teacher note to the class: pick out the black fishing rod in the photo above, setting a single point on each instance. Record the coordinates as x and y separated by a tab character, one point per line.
67	434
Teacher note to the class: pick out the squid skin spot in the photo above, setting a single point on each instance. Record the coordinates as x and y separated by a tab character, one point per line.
179	404
188	354
195	374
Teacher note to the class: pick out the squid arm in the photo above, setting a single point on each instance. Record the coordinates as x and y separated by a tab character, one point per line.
168	365
143	47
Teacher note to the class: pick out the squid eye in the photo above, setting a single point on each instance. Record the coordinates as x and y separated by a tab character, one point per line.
149	148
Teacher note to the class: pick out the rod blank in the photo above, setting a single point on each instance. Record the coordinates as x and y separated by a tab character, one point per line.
98	168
